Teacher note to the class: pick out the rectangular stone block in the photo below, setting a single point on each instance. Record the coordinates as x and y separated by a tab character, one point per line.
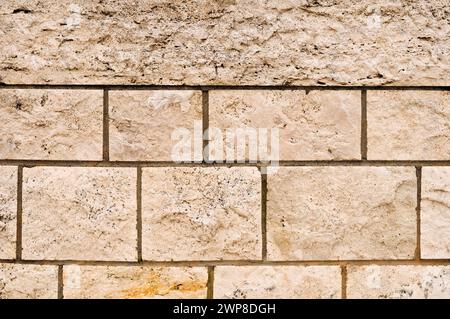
319	125
435	213
347	42
195	213
79	213
399	282
8	211
134	282
51	124
154	125
283	282
408	125
28	281
341	213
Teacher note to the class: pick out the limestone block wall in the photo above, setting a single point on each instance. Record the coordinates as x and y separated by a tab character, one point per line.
118	178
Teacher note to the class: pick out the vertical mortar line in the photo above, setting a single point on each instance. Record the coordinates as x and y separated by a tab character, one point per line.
344	282
210	283
364	124
139	212
264	212
418	219
60	282
19	213
205	124
106	125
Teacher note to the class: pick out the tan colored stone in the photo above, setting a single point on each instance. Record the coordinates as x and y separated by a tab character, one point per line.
51	124
142	124
277	282
79	213
347	42
435	213
327	213
28	281
134	282
408	125
386	282
197	213
8	211
320	125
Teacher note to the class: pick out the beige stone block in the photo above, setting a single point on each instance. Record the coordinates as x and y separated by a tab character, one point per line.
8	211
133	282
51	124
408	125
195	213
282	282
319	125
341	213
435	213
399	282
79	213
153	125
28	281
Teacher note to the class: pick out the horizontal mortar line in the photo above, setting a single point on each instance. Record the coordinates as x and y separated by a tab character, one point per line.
221	87
80	163
206	263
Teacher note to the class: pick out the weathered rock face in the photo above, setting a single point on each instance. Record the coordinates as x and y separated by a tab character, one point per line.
323	213
8	211
306	42
277	282
134	282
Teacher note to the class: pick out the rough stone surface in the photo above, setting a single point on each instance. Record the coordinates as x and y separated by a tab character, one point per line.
51	124
323	213
277	282
201	213
408	125
435	213
226	42
320	125
416	282
28	281
77	213
142	124
8	211
134	282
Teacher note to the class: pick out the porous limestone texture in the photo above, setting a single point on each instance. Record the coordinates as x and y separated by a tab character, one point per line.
152	125
277	282
400	282
328	213
435	213
79	213
408	125
193	213
307	42
133	282
28	281
51	124
314	125
8	211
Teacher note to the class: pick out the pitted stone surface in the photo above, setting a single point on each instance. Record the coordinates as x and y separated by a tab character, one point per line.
8	211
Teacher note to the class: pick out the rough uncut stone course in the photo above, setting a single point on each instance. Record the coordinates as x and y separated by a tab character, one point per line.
308	42
201	213
435	213
142	123
51	124
8	211
134	282
400	282
79	213
28	281
408	125
319	125
277	282
323	213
